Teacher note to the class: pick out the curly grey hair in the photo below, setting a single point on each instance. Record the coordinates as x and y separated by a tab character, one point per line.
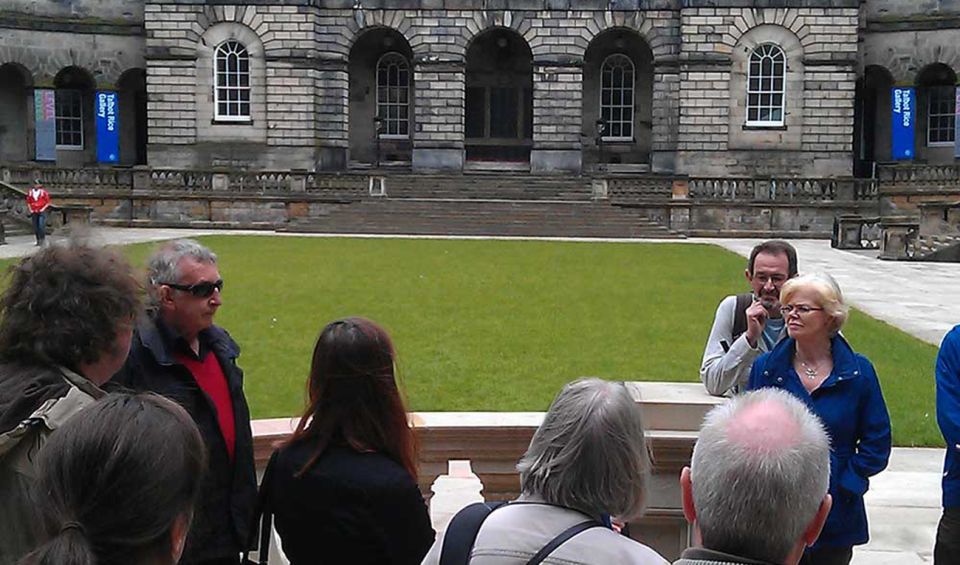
590	453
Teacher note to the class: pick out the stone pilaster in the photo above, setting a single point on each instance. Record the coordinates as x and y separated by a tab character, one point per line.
557	118
438	139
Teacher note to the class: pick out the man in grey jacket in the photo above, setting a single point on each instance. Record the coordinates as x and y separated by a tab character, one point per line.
66	320
747	325
756	489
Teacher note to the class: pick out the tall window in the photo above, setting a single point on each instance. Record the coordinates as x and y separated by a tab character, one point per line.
941	117
616	97
232	79
393	95
69	108
765	86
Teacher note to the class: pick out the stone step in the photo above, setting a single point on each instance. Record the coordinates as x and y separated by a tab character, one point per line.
480	186
485	217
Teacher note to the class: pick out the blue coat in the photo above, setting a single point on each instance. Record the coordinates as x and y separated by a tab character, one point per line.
852	408
948	413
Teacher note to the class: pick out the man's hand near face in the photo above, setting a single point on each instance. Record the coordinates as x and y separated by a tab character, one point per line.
756	320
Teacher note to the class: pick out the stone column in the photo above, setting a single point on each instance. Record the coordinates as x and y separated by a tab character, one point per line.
438	115
332	114
557	117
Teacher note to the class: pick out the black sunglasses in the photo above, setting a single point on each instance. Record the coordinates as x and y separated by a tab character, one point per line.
201	289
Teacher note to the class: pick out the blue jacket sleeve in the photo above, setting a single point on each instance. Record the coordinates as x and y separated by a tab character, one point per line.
873	449
948	388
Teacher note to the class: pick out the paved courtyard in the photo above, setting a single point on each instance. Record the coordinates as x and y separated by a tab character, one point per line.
920	298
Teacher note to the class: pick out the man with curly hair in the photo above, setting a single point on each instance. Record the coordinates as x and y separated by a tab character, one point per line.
66	320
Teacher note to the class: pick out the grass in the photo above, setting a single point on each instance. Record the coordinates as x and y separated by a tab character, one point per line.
502	325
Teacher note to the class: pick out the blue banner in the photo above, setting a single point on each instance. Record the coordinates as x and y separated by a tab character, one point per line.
956	125
45	113
107	110
904	103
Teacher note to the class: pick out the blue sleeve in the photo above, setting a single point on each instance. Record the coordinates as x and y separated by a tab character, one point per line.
948	388
756	373
873	448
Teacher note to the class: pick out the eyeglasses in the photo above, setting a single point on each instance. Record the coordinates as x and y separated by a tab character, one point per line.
201	289
801	309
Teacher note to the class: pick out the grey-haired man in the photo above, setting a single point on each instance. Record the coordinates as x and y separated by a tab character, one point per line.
756	488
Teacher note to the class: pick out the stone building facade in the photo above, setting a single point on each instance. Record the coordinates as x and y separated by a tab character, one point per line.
697	87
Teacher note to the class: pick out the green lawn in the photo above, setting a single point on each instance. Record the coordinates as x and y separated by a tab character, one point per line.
501	325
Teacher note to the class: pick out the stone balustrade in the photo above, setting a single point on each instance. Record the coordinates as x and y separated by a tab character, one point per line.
493	442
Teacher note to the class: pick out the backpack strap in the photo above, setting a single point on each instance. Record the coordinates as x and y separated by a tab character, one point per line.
263	520
561	538
462	532
740	315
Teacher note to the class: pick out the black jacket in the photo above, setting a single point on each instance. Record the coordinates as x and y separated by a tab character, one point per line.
222	518
349	507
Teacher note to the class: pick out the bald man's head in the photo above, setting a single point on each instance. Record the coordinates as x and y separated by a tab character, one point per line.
759	472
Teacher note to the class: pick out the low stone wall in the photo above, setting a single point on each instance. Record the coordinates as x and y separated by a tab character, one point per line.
493	442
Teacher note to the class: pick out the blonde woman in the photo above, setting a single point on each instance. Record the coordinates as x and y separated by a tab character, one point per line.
839	385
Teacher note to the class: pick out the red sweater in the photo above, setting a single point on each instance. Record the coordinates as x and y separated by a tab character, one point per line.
210	378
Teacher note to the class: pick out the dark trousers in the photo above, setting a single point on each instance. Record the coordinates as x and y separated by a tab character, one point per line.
39	226
947	550
827	556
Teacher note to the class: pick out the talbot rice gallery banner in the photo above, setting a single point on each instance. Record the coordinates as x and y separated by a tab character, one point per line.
45	110
904	115
108	139
956	126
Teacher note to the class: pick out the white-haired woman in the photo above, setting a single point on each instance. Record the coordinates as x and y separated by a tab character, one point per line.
586	462
818	365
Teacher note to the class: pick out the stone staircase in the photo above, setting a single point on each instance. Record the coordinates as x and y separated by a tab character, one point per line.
938	248
486	217
488	186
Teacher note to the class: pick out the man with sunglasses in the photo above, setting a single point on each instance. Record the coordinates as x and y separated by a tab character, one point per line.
178	352
748	324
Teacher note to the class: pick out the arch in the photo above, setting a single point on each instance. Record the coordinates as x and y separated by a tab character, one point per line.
484	22
217	124
16	104
871	119
631	107
498	105
74	97
936	96
604	22
371	20
784	128
132	89
373	105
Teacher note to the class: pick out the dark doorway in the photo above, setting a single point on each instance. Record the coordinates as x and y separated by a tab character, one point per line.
498	105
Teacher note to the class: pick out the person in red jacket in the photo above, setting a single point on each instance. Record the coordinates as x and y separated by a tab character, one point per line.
38	200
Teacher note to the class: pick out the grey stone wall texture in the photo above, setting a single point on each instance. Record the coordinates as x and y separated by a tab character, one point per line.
692	121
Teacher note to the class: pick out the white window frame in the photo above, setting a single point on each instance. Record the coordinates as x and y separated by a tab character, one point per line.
772	52
621	61
77	120
934	93
224	51
402	125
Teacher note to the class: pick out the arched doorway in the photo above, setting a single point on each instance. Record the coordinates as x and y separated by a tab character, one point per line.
381	98
936	101
498	113
75	134
132	88
872	122
618	98
16	141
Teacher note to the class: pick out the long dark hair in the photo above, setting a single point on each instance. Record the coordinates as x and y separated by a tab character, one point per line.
353	397
114	480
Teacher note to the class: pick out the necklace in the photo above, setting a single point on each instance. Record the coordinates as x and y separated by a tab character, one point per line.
808	371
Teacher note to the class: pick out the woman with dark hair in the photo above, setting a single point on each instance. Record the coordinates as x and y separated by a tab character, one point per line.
343	489
118	484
